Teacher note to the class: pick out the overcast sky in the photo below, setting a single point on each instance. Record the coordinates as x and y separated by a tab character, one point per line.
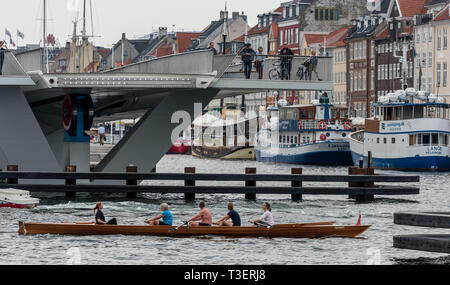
112	17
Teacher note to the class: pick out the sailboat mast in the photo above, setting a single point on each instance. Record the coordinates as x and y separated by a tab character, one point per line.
44	20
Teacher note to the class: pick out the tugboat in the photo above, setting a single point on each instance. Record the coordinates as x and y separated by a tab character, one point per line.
306	134
410	131
14	198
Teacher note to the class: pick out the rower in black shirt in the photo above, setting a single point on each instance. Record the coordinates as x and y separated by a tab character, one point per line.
100	218
233	215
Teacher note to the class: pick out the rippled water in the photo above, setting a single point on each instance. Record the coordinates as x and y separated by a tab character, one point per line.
53	249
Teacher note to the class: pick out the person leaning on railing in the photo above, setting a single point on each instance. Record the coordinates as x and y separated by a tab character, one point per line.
2	55
248	55
259	62
286	55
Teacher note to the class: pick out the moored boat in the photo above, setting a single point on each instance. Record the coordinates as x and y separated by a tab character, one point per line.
410	131
306	134
15	198
284	231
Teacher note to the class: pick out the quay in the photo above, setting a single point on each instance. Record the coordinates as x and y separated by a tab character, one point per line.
362	188
423	242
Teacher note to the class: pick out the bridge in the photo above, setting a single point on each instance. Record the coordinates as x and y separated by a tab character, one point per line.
44	116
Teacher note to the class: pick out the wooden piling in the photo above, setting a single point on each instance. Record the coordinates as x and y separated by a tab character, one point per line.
12	180
189	170
251	183
71	168
131	182
296	171
361	171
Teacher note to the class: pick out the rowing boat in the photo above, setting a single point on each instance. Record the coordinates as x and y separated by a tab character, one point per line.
288	231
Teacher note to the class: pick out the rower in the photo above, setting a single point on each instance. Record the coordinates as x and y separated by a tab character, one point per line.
204	216
266	219
233	215
165	215
100	218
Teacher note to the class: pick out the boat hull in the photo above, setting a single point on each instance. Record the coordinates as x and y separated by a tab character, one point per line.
18	206
286	231
326	154
414	163
227	153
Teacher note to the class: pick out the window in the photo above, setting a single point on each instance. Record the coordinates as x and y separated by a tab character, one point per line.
434	139
418	60
445	39
438	39
444	75
430	37
419	139
372	80
411	139
426	139
393	140
438	75
430	59
385	140
351	81
378	140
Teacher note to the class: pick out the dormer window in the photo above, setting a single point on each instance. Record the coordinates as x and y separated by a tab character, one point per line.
294	11
287	12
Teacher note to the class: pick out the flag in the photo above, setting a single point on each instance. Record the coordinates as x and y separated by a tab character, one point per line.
12	42
359	221
7	33
20	34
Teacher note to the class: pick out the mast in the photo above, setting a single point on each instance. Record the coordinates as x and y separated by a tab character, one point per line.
44	21
84	40
225	29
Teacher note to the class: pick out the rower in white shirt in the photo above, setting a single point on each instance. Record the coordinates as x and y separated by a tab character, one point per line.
267	218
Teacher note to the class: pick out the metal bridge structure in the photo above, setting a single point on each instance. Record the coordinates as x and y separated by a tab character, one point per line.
44	116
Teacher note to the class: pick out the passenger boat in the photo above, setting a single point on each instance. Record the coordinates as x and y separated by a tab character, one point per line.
14	198
306	134
224	135
284	231
410	131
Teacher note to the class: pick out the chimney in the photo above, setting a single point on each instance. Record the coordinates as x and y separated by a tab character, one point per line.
124	36
235	15
162	32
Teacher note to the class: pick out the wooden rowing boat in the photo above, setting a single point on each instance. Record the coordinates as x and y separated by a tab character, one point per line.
288	231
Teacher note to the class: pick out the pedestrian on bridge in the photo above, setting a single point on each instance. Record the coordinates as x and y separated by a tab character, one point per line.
259	62
101	134
248	54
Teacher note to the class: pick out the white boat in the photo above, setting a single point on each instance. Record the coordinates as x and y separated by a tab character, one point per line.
306	134
14	198
410	133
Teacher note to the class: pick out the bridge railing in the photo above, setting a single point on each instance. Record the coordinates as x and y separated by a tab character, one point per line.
274	69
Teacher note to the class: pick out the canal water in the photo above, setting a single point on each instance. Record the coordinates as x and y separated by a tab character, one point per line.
374	247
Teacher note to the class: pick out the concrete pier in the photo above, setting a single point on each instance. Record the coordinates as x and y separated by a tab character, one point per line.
423	242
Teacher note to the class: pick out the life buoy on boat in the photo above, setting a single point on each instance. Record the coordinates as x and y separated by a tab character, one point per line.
322	125
348	125
323	137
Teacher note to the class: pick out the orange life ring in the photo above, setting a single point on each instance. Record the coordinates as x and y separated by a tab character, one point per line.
322	125
348	125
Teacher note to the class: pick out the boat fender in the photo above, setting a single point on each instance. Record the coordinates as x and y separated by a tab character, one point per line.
322	125
348	125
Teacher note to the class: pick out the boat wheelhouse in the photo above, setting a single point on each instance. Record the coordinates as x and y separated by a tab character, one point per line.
408	133
306	134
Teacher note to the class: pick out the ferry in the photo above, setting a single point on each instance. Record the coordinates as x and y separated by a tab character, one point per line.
410	131
306	134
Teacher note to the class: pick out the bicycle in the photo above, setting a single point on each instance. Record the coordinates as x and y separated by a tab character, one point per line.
279	72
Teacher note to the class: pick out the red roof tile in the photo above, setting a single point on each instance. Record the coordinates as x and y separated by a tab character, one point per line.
410	8
336	38
443	15
184	40
314	38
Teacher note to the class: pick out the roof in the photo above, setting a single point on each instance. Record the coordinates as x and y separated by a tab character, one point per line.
410	8
383	34
184	40
336	38
442	15
314	38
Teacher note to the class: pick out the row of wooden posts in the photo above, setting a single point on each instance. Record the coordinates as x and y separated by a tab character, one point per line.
192	183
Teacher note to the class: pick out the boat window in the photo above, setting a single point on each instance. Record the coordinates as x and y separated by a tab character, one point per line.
281	139
385	140
284	139
445	140
434	139
393	140
378	140
411	139
295	138
419	138
426	139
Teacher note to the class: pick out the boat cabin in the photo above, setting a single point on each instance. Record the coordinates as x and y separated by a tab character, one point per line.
397	112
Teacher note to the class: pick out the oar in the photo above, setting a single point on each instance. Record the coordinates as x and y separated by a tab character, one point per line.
174	229
262	225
